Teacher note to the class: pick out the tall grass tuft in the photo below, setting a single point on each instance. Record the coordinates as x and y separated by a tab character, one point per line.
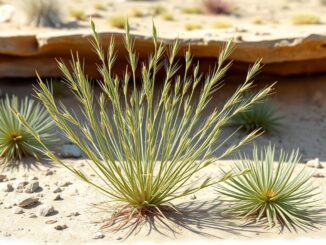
272	191
147	148
47	13
15	141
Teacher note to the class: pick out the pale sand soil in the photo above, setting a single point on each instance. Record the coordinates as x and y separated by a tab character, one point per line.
201	219
275	15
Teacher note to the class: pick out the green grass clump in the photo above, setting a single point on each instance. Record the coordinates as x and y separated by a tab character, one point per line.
136	12
190	26
167	16
146	146
47	13
77	14
192	10
257	20
271	191
262	115
157	10
15	140
99	6
117	21
305	19
222	24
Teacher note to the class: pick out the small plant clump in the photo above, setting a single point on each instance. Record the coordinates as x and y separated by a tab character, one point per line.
157	10
260	116
222	24
77	14
118	21
99	6
217	6
136	12
257	20
192	10
15	140
190	26
305	19
167	16
46	13
271	191
147	147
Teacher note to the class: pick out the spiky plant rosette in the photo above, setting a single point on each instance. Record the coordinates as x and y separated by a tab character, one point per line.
15	141
278	192
148	146
261	115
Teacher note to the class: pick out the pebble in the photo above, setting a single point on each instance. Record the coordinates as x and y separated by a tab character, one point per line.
18	211
8	188
193	197
73	214
7	206
70	150
57	190
98	235
2	177
315	163
21	186
50	222
46	210
65	184
26	202
57	198
60	227
318	175
32	216
32	187
49	172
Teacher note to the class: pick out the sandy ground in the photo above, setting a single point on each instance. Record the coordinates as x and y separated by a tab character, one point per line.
201	219
274	18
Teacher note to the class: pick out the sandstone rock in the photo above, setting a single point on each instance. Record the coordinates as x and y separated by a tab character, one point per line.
46	210
8	188
32	187
21	186
57	190
57	198
32	216
27	202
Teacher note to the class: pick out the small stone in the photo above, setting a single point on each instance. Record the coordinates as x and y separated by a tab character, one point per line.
2	177
57	198
60	227
119	238
49	172
46	210
32	187
33	178
70	150
32	216
18	211
73	214
65	184
57	190
7	234
98	235
318	175
12	178
193	197
315	163
7	206
26	202
21	186
8	188
50	222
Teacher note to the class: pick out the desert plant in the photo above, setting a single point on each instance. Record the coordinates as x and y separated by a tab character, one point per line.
117	21
271	191
222	24
258	20
217	6
261	116
47	13
192	10
148	146
305	19
136	12
78	14
157	10
167	16
190	26
15	141
99	6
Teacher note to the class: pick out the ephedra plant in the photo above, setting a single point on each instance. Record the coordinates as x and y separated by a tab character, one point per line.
148	146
